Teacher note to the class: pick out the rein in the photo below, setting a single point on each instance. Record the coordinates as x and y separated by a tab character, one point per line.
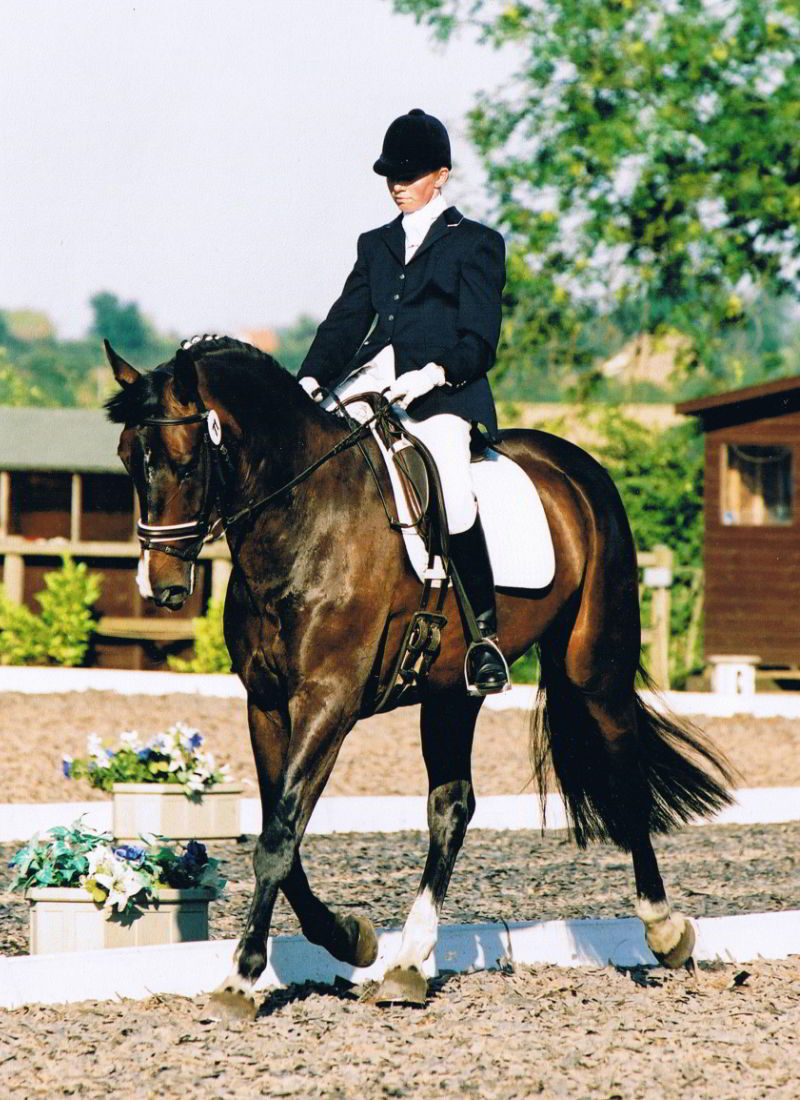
155	536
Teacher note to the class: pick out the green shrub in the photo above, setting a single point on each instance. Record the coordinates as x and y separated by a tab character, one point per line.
60	633
210	652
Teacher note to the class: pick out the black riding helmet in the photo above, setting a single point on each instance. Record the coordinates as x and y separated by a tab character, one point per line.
415	143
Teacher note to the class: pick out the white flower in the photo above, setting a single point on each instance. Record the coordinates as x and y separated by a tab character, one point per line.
130	739
94	746
117	876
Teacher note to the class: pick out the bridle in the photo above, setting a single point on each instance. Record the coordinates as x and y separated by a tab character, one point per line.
196	532
161	536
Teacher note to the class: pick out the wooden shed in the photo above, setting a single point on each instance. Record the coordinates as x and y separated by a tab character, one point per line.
63	490
752	521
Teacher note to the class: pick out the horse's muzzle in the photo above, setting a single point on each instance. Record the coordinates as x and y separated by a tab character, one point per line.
171	596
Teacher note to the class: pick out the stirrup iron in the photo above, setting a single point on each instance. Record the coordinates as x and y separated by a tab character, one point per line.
472	689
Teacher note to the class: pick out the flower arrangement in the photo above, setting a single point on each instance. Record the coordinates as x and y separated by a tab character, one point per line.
120	878
174	756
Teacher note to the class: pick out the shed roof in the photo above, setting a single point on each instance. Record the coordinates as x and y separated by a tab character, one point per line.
78	440
749	403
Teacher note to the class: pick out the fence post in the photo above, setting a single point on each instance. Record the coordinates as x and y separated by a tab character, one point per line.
220	574
659	578
14	577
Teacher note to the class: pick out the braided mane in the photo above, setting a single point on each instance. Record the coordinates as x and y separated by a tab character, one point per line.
239	373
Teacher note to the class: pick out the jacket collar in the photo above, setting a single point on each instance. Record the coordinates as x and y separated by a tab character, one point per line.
396	238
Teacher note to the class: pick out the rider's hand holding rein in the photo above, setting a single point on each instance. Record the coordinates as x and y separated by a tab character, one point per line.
312	388
414	384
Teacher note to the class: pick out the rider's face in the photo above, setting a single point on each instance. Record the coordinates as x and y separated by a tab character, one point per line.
411	195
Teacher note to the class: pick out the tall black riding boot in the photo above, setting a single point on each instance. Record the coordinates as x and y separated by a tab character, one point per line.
485	669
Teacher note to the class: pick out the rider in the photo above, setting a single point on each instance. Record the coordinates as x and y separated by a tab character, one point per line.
420	314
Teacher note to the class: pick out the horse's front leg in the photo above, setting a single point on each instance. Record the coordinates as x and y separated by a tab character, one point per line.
292	770
351	939
447	725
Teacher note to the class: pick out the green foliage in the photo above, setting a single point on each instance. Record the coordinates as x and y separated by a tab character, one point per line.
118	878
37	368
210	652
646	154
525	670
660	478
60	633
14	388
120	323
294	342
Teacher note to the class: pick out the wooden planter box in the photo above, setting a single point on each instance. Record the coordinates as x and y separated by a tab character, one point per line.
67	919
164	809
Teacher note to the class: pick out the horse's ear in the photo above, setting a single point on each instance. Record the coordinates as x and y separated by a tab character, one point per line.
124	373
184	377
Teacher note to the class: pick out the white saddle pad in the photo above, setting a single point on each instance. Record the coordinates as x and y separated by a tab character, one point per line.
514	522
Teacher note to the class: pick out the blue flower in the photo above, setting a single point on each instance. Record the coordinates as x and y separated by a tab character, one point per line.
195	854
143	755
66	766
129	852
196	740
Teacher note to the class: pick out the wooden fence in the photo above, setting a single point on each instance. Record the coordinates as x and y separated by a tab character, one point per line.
657	567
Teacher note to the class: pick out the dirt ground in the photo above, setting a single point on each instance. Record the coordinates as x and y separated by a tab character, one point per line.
589	1034
380	756
729	1032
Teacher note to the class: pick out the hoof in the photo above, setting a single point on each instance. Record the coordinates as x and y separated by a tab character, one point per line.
235	1004
366	951
402	985
681	951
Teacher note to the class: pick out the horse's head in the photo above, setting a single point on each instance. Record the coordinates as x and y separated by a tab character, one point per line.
166	446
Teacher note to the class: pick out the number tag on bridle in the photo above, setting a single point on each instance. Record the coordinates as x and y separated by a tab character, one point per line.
214	428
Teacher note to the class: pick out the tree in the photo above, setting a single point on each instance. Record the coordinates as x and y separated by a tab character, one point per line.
294	342
120	323
647	152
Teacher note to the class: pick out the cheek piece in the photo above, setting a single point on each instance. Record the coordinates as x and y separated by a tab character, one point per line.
162	536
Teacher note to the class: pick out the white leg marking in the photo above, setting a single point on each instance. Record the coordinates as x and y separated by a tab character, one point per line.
663	928
419	932
235	983
143	576
649	912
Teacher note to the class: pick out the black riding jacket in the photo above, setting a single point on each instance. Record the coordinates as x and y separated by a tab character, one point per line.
443	307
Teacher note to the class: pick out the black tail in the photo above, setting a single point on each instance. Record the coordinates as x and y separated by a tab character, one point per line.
651	779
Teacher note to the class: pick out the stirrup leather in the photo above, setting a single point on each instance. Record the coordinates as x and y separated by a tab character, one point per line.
491	641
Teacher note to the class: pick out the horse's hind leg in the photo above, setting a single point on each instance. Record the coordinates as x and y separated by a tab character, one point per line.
669	934
609	759
447	726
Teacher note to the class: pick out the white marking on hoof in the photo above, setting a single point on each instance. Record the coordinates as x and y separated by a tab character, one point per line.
665	931
419	933
235	997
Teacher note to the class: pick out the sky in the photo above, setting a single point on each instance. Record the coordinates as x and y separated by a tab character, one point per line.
210	159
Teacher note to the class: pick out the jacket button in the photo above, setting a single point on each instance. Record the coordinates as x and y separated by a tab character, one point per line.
396	297
402	276
390	317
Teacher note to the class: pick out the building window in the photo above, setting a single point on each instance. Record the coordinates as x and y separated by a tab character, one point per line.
756	485
107	508
40	504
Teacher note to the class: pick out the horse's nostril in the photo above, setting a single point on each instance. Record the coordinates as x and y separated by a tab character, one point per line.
172	596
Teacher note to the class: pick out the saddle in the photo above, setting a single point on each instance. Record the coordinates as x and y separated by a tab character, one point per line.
418	476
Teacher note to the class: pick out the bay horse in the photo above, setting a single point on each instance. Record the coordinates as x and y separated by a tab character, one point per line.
318	601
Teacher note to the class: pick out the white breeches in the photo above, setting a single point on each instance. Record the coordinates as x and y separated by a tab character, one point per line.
446	437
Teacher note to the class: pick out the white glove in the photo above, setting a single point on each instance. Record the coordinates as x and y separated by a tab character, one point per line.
311	386
414	384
